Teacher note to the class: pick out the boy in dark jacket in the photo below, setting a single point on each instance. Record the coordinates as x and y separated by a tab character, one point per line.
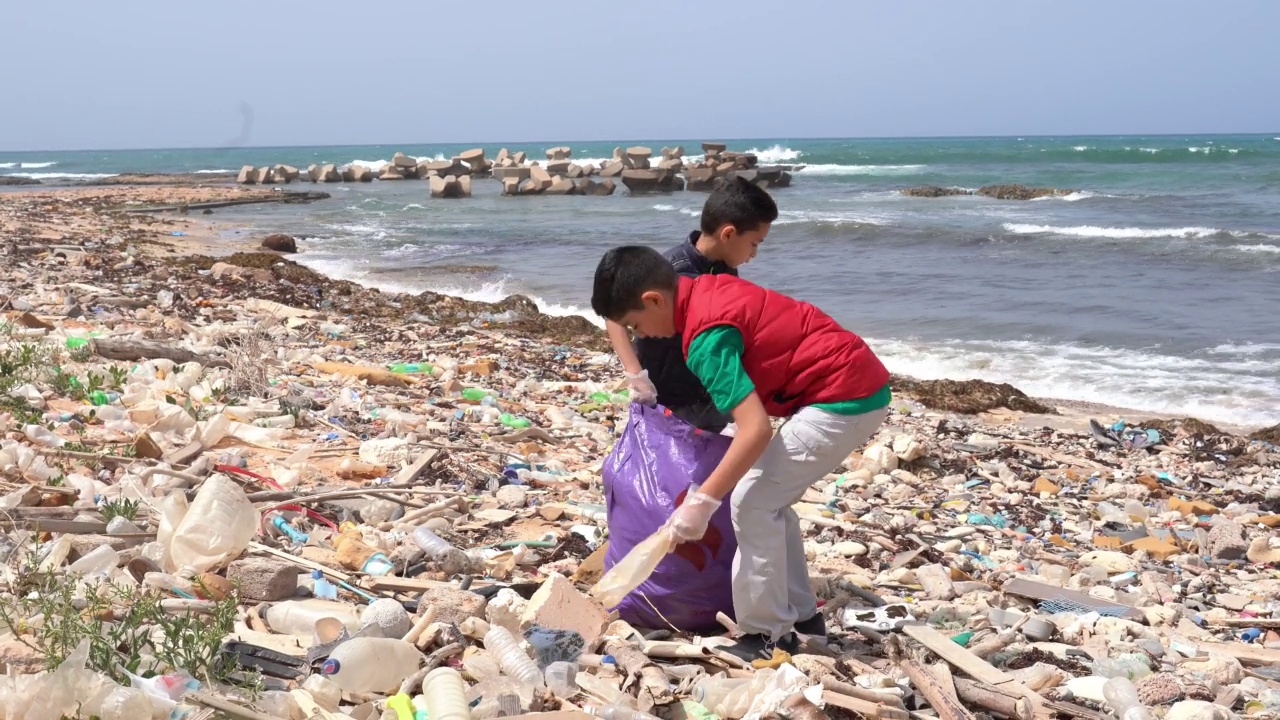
735	220
759	354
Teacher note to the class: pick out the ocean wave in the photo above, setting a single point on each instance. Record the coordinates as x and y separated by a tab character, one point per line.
36	165
215	170
63	176
7	165
1124	233
775	154
1076	196
377	165
827	169
1216	386
1259	248
1081	148
793	217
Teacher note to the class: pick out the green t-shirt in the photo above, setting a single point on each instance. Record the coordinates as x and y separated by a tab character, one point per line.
715	356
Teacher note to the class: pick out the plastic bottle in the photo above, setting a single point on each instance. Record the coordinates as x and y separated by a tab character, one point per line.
321	587
514	422
77	342
710	692
59	418
430	543
515	663
418	367
616	712
217	527
351	467
288	530
372	665
124	703
1122	696
41	436
279	421
476	394
446	695
110	413
100	397
100	561
561	678
298	617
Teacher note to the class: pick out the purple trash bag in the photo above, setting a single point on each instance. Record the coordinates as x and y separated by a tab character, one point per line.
646	477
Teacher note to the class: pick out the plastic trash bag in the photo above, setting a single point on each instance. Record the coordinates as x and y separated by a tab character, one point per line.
646	476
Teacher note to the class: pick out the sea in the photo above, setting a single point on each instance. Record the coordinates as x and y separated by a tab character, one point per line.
1153	285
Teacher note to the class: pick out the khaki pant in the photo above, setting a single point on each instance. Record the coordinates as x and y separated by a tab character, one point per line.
771	590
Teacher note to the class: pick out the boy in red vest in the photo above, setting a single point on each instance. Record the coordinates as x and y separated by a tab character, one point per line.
760	354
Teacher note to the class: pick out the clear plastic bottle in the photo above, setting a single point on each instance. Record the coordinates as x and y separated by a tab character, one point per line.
616	712
298	617
321	587
515	663
99	561
371	665
279	421
42	436
561	678
446	695
710	692
124	703
217	527
1122	696
430	543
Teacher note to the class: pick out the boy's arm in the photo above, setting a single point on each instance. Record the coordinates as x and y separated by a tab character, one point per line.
642	388
621	340
749	443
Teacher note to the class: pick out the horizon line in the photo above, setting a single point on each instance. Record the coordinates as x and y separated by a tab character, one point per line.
628	140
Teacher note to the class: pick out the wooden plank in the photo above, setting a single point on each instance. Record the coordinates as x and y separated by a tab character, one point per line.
940	696
862	707
1246	654
411	473
945	648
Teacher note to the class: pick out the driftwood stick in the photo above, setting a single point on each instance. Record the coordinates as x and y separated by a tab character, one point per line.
992	698
131	350
942	699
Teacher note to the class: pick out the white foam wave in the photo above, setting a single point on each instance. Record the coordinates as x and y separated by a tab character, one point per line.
214	170
36	165
1236	390
792	217
1259	248
827	169
7	165
1073	197
1092	231
1245	348
1153	151
775	154
661	207
63	176
1081	148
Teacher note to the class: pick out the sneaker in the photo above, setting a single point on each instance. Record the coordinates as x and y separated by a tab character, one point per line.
815	626
759	647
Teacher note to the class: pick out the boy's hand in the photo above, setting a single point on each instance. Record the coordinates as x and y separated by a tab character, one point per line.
642	389
689	522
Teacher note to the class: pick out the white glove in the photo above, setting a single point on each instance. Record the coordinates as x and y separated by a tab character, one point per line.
689	522
642	389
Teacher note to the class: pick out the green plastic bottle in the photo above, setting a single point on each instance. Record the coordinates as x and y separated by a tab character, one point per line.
411	368
476	394
514	422
77	342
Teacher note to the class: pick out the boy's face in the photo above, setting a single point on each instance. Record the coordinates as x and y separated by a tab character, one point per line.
655	319
741	247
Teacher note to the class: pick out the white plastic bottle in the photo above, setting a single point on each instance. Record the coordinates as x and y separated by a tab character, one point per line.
299	617
217	527
430	543
1122	696
99	561
710	692
446	695
616	712
371	665
515	663
41	436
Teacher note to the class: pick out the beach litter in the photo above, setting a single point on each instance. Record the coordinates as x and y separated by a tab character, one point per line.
281	496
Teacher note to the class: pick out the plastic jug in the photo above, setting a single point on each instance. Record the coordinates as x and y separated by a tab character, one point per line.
216	528
710	692
515	663
368	664
298	617
446	695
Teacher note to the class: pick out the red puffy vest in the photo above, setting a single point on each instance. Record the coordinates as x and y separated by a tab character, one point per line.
794	353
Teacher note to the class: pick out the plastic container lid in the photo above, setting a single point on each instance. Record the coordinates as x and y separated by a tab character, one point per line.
330	667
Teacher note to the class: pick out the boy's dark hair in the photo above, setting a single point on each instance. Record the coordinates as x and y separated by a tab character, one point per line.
626	273
738	203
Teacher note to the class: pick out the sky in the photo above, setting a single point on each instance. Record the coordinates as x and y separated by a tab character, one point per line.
87	74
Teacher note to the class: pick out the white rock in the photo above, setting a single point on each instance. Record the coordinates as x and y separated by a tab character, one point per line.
849	548
908	449
1111	561
389	615
1198	710
1088	688
512	497
1224	670
879	460
950	546
505	610
961	531
392	452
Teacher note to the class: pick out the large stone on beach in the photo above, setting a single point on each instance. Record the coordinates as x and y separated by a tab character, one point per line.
357	173
613	168
264	579
280	243
1227	540
700	179
401	160
540	177
714	148
968	396
560	186
519	173
390	172
329	173
559	153
313	172
475	160
558	167
639	182
511	185
247	175
286	173
933	191
446	187
1020	192
519	158
264	176
638	157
